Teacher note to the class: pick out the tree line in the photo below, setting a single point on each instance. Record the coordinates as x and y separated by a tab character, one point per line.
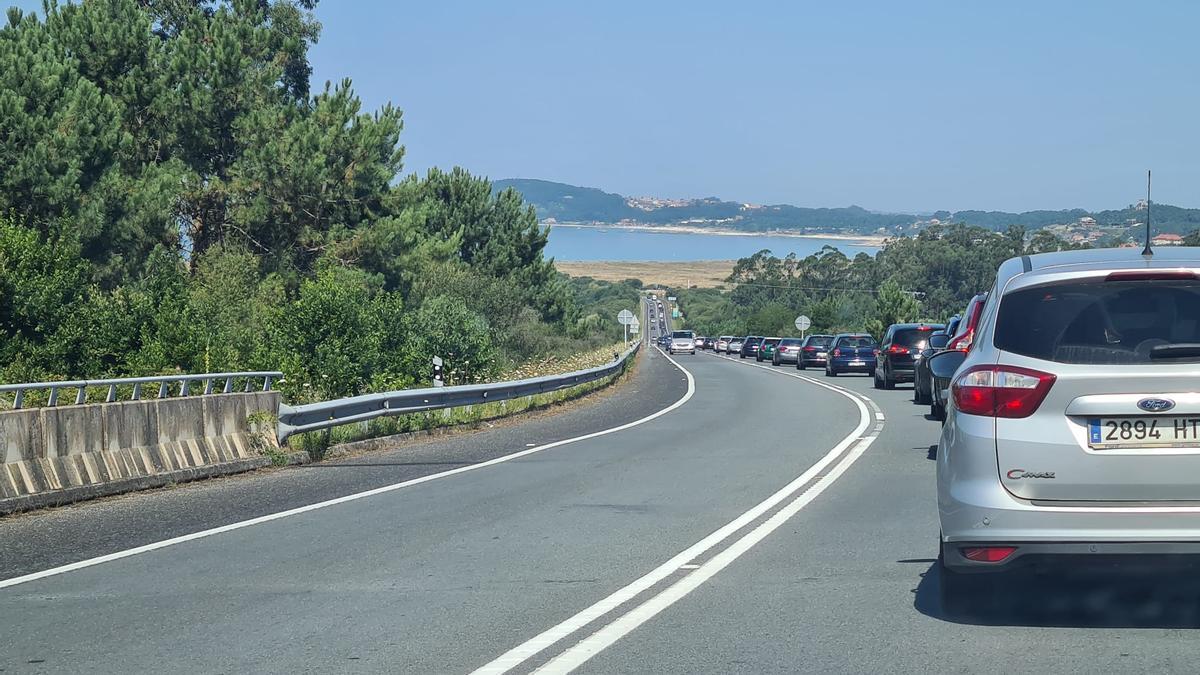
926	277
174	197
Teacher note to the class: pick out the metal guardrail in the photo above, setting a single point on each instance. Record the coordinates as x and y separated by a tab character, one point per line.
164	383
328	414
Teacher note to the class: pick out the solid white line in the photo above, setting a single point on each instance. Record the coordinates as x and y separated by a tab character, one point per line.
577	655
536	644
90	562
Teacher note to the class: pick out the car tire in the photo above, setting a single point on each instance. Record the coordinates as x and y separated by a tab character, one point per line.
799	364
877	383
830	372
964	595
919	395
888	383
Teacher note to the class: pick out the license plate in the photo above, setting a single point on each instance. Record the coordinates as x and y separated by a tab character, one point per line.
1144	432
858	363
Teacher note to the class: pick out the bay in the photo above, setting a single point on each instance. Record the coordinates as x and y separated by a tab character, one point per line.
615	243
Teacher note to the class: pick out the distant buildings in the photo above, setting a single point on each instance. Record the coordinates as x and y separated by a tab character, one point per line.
1167	239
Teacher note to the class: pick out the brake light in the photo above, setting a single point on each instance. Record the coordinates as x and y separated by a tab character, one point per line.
962	342
1156	275
1001	391
837	352
897	349
989	554
810	349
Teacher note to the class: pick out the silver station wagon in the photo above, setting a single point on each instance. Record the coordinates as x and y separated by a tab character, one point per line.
1073	428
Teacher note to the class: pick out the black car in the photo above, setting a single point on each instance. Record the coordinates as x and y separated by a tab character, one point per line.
901	343
922	377
751	345
814	351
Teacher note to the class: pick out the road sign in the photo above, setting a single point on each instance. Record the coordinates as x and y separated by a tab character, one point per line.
803	322
671	298
624	317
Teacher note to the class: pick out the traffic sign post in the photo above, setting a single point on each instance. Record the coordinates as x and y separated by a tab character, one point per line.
802	324
625	317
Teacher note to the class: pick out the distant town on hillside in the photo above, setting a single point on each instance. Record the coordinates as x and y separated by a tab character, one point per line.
563	203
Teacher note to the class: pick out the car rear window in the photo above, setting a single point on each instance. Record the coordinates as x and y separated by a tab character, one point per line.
857	342
1102	322
770	341
913	337
819	341
789	342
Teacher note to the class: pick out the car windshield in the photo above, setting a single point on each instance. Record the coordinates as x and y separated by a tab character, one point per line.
1102	322
680	334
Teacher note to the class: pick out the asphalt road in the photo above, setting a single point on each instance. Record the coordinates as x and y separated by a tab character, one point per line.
768	523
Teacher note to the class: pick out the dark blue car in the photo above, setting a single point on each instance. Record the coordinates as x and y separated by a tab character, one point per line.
851	353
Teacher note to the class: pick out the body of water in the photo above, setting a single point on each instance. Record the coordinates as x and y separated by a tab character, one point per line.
589	243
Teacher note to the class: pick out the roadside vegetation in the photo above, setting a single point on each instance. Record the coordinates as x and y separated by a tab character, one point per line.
927	277
175	198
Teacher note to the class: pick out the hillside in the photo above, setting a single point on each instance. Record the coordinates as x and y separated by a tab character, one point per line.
569	203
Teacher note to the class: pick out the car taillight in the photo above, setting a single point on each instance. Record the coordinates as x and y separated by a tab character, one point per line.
837	352
897	349
988	553
962	343
1001	391
810	349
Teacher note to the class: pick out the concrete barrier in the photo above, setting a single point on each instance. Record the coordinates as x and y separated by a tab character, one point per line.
62	454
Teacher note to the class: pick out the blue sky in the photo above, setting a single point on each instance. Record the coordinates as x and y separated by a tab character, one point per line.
888	105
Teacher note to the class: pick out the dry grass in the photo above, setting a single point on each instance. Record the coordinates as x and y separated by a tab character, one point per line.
698	273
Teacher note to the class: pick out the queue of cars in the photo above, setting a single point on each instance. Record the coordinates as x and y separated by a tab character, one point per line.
1070	409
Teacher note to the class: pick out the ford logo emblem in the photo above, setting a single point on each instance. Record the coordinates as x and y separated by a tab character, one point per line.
1156	405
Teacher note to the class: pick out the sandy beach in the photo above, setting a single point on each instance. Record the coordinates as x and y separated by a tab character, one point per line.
850	239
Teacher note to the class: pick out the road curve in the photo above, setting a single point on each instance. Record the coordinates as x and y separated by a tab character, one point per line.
442	576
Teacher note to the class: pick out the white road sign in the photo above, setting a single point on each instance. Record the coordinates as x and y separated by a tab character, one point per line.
624	317
803	322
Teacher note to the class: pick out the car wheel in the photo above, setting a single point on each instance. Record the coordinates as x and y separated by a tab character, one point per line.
799	364
888	383
830	372
877	383
963	595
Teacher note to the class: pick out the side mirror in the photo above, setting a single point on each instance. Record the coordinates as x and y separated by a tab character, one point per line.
938	340
943	364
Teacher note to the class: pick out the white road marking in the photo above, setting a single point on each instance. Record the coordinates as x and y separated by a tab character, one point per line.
146	548
689	567
610	633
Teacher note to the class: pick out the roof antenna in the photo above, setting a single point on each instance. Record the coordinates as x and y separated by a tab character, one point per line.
1146	251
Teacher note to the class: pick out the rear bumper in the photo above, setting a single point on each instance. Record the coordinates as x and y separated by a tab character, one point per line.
844	366
903	372
786	358
975	509
1148	555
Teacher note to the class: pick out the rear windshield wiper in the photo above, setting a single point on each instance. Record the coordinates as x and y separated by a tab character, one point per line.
1179	350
